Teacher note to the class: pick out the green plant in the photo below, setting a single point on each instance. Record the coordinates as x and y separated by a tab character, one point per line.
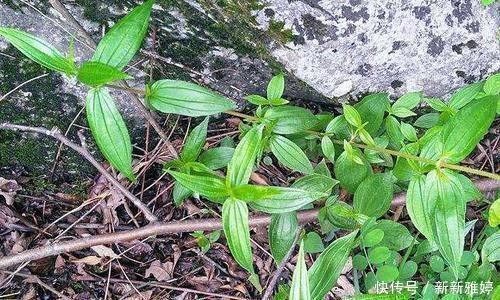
360	143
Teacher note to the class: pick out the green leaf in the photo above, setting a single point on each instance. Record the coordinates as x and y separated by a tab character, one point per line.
372	109
282	231
290	119
121	43
427	121
436	104
408	270
299	290
290	155
180	193
373	237
328	148
349	172
469	189
216	158
408	101
359	262
207	185
487	2
241	165
313	243
409	132
420	204
315	183
194	142
256	99
492	85
276	87
464	130
109	131
326	269
322	169
275	199
491	248
374	195
95	74
387	273
378	255
448	219
465	95
436	263
342	215
394	133
38	50
186	98
237	232
402	112
494	214
396	236
352	116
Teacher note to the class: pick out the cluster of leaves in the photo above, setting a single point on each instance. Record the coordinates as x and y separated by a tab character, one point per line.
360	143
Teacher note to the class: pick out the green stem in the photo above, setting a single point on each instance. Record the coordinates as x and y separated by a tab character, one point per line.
371	147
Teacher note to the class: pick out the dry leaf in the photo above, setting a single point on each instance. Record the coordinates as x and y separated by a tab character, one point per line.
160	271
104	251
89	260
8	189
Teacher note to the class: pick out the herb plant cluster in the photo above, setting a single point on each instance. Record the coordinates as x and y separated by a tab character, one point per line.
374	149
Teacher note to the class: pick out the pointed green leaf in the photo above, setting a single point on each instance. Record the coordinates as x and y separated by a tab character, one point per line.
374	195
326	269
237	232
436	104
393	129
180	193
241	165
38	50
420	203
206	185
494	214
408	101
122	41
465	95
315	183
299	290
351	115
275	199
95	74
290	119
491	248
186	98
467	127
372	109
349	172
194	142
409	132
109	131
217	158
282	231
427	121
290	155
276	87
448	222
328	148
492	85
396	236
257	100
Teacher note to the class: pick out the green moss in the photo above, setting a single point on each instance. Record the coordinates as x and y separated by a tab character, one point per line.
37	104
277	30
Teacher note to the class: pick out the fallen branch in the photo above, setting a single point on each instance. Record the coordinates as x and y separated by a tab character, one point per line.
55	133
305	216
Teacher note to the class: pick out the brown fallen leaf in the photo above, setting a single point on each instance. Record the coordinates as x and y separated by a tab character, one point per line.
104	251
160	271
8	189
89	260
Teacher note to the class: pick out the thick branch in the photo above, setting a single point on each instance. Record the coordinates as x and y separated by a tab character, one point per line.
306	216
55	133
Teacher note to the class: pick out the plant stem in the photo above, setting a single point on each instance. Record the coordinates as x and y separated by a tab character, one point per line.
371	147
240	115
126	88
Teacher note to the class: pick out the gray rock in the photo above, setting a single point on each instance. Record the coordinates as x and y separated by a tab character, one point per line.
388	45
